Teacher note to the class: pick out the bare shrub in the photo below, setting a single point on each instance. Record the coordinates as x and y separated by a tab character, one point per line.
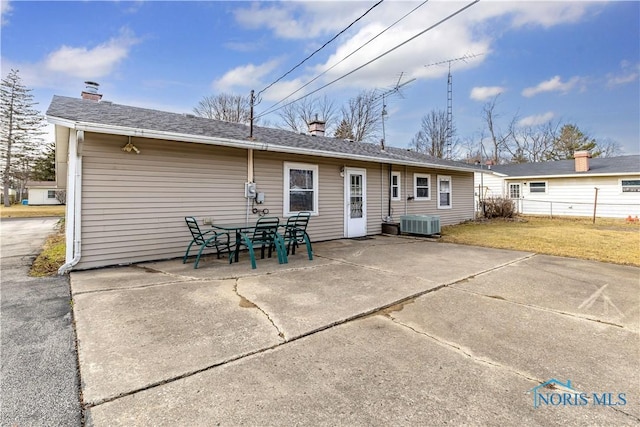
61	196
499	207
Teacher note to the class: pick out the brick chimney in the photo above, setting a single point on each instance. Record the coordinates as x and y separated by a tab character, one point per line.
582	160
91	91
316	127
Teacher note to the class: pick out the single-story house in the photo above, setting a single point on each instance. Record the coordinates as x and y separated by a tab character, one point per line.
42	193
567	187
133	174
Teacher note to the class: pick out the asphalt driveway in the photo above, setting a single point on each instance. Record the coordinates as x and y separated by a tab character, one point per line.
386	331
39	385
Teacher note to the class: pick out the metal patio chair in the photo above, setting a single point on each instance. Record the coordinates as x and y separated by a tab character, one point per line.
295	233
265	235
208	239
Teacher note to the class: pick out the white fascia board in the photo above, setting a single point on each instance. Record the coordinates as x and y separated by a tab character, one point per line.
591	175
236	143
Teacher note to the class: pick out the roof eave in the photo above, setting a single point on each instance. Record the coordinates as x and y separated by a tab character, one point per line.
235	143
573	175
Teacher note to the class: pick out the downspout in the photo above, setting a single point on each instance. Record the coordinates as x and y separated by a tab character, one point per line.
74	202
389	218
249	177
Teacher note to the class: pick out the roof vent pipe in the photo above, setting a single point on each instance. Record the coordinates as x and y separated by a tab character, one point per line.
90	91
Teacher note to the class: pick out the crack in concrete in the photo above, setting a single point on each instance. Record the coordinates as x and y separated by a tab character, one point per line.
547	310
247	303
488	362
384	310
464	352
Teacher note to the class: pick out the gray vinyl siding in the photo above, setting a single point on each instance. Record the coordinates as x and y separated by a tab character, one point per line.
133	205
462	196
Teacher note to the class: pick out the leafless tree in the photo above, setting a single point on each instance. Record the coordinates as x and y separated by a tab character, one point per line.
499	139
434	134
296	116
224	106
364	116
609	148
533	143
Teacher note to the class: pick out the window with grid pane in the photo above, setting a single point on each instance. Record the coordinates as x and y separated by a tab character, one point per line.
421	188
301	188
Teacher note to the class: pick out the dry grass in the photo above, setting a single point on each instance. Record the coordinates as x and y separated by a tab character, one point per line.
22	211
52	256
608	240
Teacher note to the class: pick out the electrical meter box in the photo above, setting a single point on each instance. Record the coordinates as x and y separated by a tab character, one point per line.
250	190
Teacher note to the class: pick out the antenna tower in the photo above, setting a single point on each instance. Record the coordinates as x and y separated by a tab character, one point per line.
384	95
449	131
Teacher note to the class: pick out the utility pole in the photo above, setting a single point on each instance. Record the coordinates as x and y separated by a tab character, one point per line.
252	101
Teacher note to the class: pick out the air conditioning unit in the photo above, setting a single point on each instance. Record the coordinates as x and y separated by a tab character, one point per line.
420	224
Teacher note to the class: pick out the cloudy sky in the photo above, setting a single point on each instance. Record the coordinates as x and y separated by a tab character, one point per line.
573	62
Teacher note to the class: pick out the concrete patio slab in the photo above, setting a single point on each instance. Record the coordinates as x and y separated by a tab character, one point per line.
535	344
471	331
106	279
305	300
424	258
212	268
367	372
588	289
129	339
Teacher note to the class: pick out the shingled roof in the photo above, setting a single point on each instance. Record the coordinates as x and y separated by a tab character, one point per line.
107	117
597	166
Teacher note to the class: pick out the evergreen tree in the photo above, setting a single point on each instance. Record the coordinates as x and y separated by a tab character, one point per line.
570	140
20	133
344	131
44	168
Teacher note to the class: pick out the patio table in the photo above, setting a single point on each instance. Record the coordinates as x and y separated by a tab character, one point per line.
241	228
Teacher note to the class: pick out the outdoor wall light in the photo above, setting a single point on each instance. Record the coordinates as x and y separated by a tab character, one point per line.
129	147
342	171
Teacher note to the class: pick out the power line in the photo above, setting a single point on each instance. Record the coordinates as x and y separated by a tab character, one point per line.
377	57
321	47
347	57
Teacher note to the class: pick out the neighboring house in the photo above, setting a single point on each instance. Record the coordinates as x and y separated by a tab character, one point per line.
568	187
42	193
134	174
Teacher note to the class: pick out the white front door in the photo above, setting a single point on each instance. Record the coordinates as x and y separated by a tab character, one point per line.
355	184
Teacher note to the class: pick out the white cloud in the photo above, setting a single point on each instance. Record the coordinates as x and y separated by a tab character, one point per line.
244	77
5	9
301	20
629	74
470	32
91	63
536	119
482	93
554	84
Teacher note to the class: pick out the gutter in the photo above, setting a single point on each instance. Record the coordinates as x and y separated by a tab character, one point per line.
235	143
74	202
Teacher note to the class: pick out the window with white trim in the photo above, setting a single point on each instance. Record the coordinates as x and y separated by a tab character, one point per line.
421	189
395	186
538	187
300	188
51	194
630	185
444	192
